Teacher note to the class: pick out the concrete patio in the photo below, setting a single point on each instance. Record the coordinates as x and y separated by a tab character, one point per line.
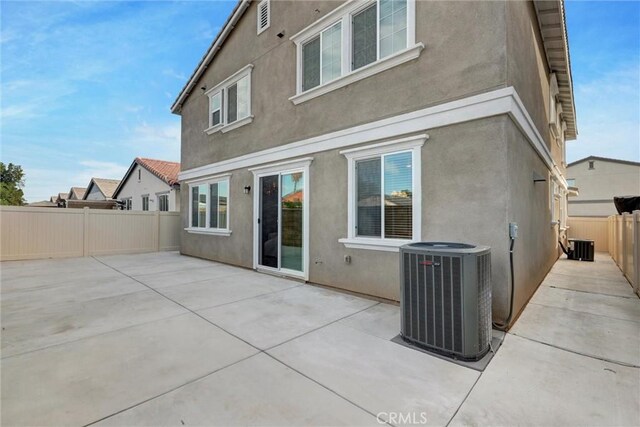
164	339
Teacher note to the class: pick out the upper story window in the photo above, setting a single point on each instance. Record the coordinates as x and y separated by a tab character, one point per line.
592	164
209	204
264	15
230	102
571	182
354	41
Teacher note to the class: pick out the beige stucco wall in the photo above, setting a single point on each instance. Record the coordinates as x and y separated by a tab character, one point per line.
460	203
478	65
598	186
150	185
476	176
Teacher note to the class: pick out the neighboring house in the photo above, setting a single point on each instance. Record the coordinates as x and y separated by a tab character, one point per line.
397	121
101	189
599	180
43	204
150	185
61	200
76	193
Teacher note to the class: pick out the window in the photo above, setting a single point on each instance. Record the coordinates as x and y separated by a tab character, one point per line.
145	203
230	102
592	164
163	202
322	57
335	50
139	174
126	204
571	182
210	205
263	15
384	194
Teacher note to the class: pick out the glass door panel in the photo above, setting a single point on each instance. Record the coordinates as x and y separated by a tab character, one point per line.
269	198
291	211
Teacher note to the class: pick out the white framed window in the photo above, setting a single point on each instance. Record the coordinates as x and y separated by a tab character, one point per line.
384	194
163	202
354	41
230	102
145	202
571	182
263	15
209	206
126	204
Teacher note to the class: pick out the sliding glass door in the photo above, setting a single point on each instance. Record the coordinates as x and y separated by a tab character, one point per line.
281	221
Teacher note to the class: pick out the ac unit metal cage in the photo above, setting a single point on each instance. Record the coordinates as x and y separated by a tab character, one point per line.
446	298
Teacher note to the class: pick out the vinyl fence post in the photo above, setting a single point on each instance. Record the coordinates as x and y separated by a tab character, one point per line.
85	234
636	251
157	230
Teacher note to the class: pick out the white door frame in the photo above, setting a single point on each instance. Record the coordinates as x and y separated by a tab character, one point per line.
280	168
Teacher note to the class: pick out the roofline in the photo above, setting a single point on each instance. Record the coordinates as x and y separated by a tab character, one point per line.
566	55
233	19
605	159
130	170
86	193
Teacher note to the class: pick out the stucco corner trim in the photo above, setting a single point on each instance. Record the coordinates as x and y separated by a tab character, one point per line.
211	232
384	64
385	245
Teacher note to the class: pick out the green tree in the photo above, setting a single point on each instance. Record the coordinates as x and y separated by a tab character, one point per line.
11	183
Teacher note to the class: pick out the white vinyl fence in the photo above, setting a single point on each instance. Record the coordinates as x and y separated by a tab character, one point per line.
624	247
35	233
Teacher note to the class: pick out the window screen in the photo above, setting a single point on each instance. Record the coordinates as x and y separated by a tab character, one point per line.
311	64
369	193
232	103
364	35
219	194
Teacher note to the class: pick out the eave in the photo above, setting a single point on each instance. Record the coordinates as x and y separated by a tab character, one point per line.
553	28
233	19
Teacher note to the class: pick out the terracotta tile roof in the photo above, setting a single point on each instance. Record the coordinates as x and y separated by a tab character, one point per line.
106	186
166	171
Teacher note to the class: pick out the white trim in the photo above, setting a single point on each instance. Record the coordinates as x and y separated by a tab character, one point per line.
237	123
488	104
379	66
207	229
387	147
298	165
344	14
210	231
260	30
207	178
222	89
246	70
276	167
414	145
385	245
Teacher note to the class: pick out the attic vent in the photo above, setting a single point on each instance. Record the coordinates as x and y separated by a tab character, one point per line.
264	15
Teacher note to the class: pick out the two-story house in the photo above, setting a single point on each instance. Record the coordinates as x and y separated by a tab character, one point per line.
319	136
150	185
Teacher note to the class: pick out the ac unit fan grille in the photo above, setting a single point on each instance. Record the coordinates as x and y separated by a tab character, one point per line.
433	301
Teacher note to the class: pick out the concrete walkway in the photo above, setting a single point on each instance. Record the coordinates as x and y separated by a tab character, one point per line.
163	339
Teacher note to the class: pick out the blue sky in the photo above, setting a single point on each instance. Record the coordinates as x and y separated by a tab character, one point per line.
86	86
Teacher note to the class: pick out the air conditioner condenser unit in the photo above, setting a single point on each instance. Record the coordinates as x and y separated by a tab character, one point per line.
446	298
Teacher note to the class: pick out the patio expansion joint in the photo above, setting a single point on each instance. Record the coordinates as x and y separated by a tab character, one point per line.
465	399
590	292
603	359
583	312
246	342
